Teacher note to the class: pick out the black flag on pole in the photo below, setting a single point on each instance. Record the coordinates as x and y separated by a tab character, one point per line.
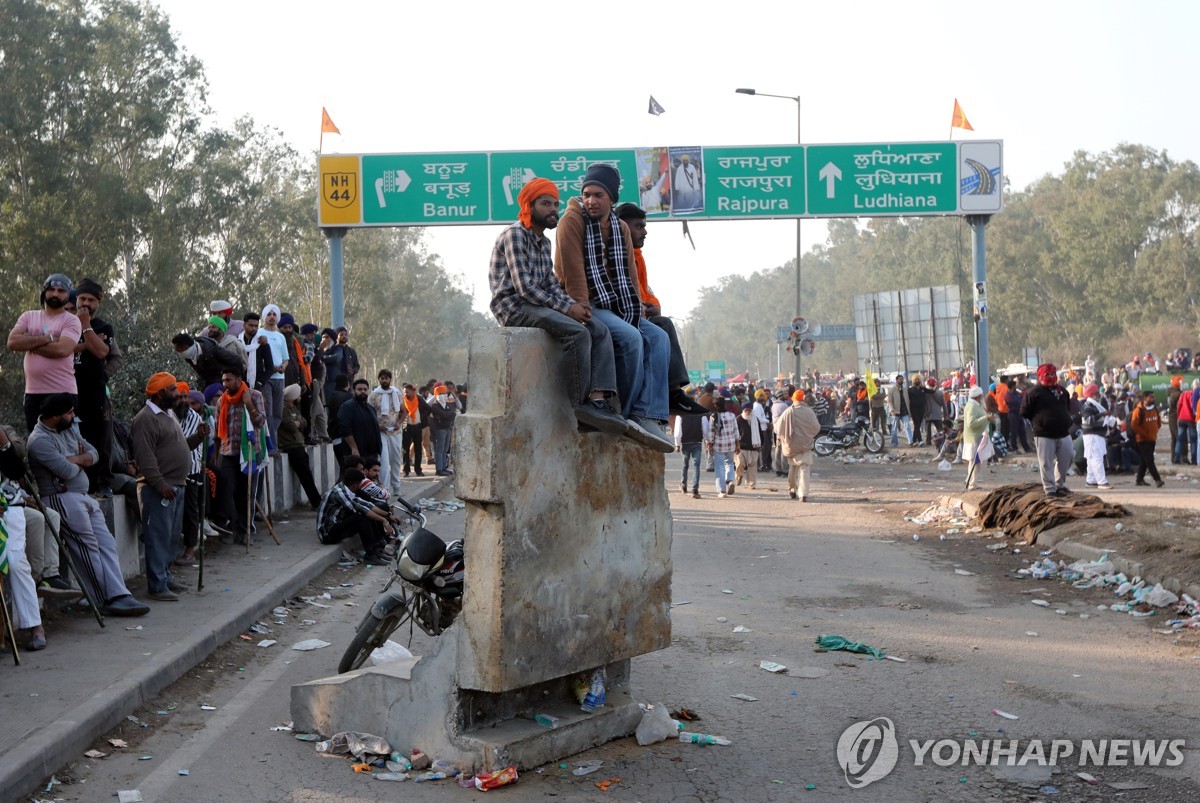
655	108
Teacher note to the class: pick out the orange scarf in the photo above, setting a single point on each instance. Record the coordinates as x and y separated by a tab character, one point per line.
412	405
227	401
305	371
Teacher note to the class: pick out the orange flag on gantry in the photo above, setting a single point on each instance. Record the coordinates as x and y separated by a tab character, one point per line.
959	120
327	126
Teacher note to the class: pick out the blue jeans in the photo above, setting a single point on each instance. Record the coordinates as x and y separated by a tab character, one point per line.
691	454
1185	441
725	469
441	440
161	528
643	356
898	422
588	348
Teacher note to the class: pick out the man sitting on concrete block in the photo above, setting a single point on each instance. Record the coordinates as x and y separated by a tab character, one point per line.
525	292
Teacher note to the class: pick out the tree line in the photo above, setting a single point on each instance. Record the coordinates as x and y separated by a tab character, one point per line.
1099	259
112	167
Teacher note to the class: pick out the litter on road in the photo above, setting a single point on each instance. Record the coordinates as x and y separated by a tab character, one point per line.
772	667
310	644
828	642
1004	714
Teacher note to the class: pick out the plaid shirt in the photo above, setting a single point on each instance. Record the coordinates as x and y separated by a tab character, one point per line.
258	417
724	433
521	271
339	503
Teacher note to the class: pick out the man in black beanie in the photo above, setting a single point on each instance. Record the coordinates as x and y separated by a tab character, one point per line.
97	359
594	263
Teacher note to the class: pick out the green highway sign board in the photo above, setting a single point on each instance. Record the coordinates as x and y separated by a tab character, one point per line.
510	172
420	189
693	377
753	182
671	182
867	180
714	370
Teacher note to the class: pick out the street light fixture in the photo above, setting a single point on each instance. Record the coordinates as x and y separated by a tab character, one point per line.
799	247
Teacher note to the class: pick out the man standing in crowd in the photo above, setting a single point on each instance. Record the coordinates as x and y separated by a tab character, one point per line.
691	433
1173	413
1096	422
194	418
416	419
385	400
1015	396
47	337
594	264
1047	408
797	428
221	331
779	407
525	292
58	456
333	356
297	371
899	408
273	389
337	399
97	358
1145	423
1186	413
318	431
750	447
164	459
358	424
975	424
442	412
350	365
224	310
723	441
233	497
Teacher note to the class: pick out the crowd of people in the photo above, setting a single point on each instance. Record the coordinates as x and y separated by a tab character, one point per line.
190	460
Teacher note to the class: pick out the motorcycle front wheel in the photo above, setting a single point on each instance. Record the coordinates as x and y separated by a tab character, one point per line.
825	445
371	635
873	440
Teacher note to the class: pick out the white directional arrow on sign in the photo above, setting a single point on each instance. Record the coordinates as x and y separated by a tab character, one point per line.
402	182
829	174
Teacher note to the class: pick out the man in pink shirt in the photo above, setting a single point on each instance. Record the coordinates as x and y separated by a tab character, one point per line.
48	337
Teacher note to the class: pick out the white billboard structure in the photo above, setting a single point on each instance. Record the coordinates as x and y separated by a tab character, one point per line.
903	331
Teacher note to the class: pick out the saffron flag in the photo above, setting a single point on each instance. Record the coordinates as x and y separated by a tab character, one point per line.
327	126
255	445
959	120
872	388
655	108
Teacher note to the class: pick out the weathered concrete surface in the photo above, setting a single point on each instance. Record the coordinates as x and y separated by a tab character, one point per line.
569	536
568	540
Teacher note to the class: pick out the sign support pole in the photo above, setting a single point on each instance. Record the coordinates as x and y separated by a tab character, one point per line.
337	295
979	277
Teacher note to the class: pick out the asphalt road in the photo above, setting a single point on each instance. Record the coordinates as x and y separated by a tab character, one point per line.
845	564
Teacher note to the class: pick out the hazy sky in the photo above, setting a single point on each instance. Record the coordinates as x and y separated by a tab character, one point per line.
1048	78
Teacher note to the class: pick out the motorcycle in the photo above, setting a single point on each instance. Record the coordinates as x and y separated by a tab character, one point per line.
830	439
424	590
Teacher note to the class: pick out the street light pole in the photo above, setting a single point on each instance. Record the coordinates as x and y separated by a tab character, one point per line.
799	245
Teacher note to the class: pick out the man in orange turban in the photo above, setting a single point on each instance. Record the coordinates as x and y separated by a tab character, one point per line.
164	461
525	292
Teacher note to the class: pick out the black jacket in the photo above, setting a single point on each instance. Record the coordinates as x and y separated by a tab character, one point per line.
213	361
1048	410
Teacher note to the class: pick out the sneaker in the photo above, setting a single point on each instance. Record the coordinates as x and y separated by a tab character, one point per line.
1159	483
1067	492
1091	484
1104	486
683	489
695	494
178	588
1141	482
729	489
599	415
166	595
57	588
679	403
793	495
221	528
648	433
721	494
208	530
